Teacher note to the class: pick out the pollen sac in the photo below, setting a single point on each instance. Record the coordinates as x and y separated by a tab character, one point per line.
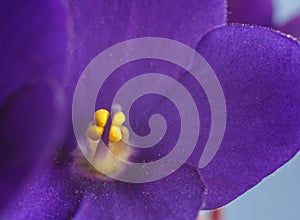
94	132
101	117
118	118
115	134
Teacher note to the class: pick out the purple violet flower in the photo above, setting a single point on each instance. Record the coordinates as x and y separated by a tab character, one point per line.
258	70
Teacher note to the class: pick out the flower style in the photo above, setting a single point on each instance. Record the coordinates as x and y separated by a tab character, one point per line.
258	70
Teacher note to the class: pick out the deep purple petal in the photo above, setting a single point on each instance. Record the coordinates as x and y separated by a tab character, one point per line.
259	72
52	194
250	12
292	27
32	126
178	196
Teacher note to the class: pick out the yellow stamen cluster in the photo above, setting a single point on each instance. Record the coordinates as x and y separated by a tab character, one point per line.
101	116
103	163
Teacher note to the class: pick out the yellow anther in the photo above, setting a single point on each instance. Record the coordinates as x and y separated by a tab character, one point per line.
94	132
118	118
101	117
115	134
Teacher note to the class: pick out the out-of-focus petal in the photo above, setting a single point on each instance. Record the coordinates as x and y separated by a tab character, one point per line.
33	40
259	72
178	196
32	126
250	12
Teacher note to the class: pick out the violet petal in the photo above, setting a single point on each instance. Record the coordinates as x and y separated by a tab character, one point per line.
259	72
178	196
250	12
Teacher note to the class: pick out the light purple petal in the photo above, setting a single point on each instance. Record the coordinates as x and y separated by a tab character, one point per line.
178	196
258	12
259	72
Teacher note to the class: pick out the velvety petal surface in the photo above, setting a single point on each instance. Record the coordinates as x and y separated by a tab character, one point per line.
51	194
259	73
32	51
250	12
178	196
292	27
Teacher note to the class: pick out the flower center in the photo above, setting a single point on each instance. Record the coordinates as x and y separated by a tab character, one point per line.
109	162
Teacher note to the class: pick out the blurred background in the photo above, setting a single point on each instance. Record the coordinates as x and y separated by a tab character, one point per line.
275	198
285	10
